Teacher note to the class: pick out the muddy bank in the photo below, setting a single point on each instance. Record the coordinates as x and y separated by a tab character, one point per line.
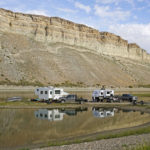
31	88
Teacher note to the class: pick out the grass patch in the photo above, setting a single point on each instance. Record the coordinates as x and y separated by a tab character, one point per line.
140	147
144	86
32	104
22	103
70	84
21	83
24	149
125	145
143	94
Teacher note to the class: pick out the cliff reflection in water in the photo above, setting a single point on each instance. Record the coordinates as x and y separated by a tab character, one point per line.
57	114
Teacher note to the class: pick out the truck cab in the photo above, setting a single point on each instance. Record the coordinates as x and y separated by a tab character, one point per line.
72	98
128	97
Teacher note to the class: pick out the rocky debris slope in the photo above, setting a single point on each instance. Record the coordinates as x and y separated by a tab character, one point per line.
53	50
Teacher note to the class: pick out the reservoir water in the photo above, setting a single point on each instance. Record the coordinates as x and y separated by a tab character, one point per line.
29	127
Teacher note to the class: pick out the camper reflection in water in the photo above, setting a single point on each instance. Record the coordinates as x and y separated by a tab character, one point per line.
103	112
51	115
56	114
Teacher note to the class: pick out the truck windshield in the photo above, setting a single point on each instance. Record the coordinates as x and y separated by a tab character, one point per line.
57	92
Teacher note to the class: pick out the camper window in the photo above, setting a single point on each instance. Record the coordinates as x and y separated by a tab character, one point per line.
51	92
108	114
108	92
57	116
37	90
45	92
41	92
69	96
57	92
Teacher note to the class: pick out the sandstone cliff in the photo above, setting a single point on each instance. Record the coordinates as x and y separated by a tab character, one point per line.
53	50
53	29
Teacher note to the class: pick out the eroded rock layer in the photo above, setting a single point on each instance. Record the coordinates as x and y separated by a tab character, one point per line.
53	29
50	50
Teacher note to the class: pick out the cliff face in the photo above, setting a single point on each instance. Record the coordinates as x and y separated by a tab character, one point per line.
53	29
53	50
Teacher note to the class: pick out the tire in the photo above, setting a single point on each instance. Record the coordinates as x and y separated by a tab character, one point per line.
93	98
134	102
142	102
96	99
81	102
130	100
102	100
63	101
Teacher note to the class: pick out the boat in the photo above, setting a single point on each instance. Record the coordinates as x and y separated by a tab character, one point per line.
12	99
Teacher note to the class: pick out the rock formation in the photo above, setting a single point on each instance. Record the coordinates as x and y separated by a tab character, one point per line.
51	49
53	29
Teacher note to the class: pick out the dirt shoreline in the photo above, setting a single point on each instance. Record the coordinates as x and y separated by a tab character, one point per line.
121	143
31	88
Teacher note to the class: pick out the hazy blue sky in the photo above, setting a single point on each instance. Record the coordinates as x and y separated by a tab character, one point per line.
127	18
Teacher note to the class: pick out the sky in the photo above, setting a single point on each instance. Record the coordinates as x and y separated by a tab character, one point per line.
129	19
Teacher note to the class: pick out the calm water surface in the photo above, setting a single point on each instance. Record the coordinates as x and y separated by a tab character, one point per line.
24	127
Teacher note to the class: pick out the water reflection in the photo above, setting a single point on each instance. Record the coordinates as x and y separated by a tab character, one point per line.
103	112
57	114
51	115
25	127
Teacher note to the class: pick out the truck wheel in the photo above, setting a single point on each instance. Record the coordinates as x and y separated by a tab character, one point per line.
81	102
62	101
134	102
120	100
142	102
93	99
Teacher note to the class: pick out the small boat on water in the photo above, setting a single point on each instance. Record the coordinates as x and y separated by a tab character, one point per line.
13	99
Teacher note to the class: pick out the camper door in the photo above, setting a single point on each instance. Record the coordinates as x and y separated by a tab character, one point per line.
50	94
57	93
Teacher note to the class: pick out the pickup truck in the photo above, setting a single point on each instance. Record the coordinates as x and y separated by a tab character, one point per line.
72	98
129	97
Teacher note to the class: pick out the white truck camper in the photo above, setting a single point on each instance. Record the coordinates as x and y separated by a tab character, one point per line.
100	95
50	93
